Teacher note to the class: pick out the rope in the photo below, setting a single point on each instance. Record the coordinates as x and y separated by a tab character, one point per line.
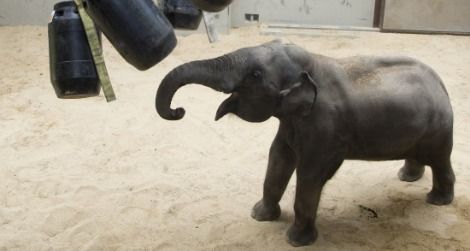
96	51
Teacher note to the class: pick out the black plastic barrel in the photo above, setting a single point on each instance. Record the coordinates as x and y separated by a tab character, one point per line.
137	29
183	14
212	5
72	70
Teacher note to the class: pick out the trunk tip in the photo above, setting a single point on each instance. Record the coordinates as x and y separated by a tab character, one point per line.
176	114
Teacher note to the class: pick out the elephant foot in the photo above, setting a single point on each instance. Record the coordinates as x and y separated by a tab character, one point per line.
410	174
440	198
262	212
298	237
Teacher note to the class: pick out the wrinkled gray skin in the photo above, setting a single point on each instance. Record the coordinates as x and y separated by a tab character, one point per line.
366	108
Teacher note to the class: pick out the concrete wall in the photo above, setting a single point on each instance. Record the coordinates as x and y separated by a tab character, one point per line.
449	16
25	12
359	13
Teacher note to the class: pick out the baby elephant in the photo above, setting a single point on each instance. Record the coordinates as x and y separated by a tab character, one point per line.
361	108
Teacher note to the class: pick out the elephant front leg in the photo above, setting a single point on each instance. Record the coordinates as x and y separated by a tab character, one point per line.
281	165
310	181
303	231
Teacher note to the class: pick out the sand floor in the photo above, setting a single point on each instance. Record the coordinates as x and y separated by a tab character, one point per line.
87	175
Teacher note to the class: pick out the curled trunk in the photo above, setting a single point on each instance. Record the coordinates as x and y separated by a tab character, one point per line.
214	73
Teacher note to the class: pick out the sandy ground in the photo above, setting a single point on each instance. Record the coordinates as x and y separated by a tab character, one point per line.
87	175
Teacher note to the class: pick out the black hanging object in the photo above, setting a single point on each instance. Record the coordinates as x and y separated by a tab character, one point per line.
212	5
136	28
183	14
72	70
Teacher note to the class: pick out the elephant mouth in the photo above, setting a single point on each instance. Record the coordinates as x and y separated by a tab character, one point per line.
228	106
237	104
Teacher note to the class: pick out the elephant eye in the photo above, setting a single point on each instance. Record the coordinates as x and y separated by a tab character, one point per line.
257	74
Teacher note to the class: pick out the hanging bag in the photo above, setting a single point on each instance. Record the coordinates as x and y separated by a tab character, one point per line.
72	70
183	14
137	29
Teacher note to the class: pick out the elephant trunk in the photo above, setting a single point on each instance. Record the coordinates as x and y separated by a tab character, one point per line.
217	74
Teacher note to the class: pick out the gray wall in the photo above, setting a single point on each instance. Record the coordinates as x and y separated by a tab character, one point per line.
25	12
449	16
358	13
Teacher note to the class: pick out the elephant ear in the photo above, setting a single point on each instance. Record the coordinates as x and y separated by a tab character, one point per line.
300	97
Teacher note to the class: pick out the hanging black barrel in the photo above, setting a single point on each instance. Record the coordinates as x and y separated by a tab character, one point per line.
72	70
212	5
183	14
136	28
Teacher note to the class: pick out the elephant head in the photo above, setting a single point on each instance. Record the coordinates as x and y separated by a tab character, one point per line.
268	80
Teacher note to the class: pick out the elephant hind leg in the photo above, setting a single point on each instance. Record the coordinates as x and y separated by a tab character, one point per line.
443	179
411	171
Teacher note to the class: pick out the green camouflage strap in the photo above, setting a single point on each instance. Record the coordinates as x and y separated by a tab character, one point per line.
97	52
